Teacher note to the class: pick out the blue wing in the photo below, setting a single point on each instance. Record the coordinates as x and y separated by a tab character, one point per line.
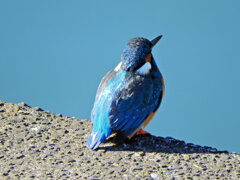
100	113
134	102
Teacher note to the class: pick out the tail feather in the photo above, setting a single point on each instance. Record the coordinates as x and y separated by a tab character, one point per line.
94	140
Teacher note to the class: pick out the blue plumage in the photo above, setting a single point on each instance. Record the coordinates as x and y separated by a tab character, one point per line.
128	95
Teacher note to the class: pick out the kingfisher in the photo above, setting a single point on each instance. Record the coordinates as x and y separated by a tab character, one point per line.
129	95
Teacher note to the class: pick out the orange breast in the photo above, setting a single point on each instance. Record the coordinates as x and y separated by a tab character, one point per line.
163	86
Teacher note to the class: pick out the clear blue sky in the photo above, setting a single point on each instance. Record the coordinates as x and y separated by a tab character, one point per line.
53	54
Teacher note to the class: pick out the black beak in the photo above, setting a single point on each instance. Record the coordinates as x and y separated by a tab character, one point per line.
155	40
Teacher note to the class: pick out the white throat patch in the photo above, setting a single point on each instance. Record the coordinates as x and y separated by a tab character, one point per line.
118	67
145	69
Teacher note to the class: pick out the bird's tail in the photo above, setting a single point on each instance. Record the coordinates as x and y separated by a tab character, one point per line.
95	139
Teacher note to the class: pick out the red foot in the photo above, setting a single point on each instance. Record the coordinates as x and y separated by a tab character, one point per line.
141	131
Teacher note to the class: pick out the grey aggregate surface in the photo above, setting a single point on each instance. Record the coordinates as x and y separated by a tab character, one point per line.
37	144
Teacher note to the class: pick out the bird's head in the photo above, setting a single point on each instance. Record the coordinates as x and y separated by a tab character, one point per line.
137	53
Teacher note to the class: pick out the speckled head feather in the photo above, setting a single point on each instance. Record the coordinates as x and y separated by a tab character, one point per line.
134	54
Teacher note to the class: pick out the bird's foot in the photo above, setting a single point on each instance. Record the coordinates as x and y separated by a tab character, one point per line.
141	131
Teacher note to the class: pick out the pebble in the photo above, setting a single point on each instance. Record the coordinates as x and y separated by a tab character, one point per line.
154	175
37	128
45	122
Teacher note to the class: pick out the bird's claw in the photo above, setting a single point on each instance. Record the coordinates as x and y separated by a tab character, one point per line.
141	131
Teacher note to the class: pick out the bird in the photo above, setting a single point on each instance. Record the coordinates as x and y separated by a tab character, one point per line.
129	95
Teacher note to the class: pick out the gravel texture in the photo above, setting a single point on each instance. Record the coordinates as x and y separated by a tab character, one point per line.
38	144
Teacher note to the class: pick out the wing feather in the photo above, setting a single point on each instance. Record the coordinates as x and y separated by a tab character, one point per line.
133	103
